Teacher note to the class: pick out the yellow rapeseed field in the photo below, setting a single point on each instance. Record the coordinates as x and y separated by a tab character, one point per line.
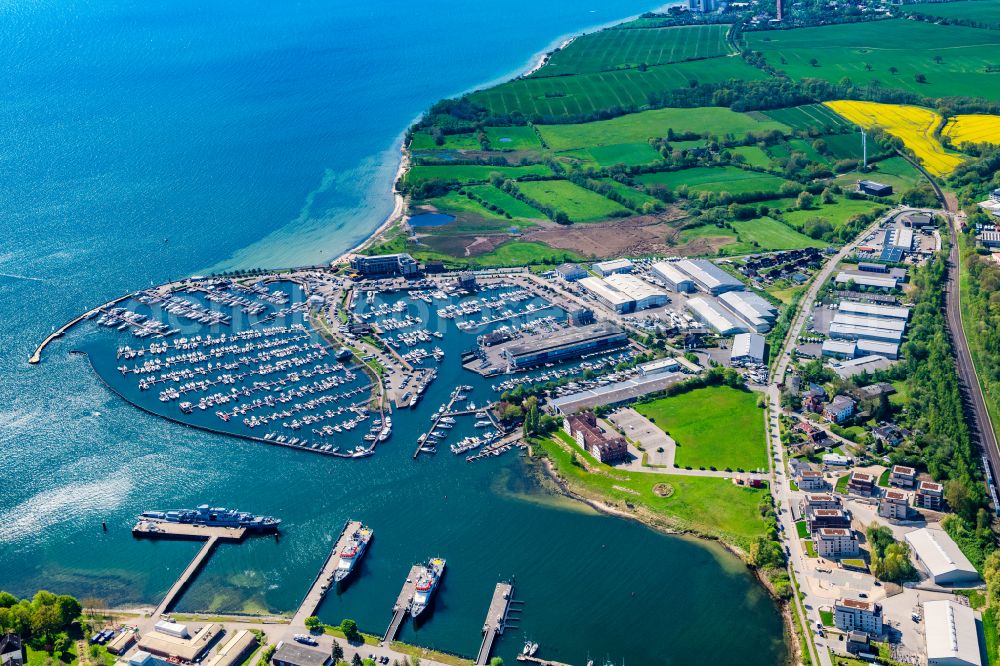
912	124
973	128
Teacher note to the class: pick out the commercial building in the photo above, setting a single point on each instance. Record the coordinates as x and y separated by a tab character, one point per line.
758	314
643	293
951	634
834	542
893	505
930	495
571	343
855	332
840	348
867	280
858	615
583	428
902	476
673	277
168	642
941	557
385	265
608	295
291	654
708	277
889	350
571	272
606	268
848	369
747	348
660	365
839	409
874	310
903	239
712	315
234	650
869	267
990	238
121	643
616	393
848	319
874	189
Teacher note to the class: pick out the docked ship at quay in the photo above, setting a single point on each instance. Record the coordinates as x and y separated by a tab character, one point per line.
214	517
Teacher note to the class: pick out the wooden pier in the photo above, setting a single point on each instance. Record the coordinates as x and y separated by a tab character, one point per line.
496	620
434	423
324	579
403	602
181	583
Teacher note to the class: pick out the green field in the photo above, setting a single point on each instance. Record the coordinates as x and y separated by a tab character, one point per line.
424	141
472	173
639	127
848	50
806	117
837	213
513	138
632	195
515	207
714	507
844	146
621	49
629	154
894	171
568	97
755	155
520	253
714	179
472	217
717	426
770	234
579	204
981	11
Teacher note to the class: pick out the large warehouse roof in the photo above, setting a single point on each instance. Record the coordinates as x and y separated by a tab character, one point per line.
952	637
605	291
873	310
669	272
750	307
873	322
880	281
748	345
711	314
940	555
708	276
855	332
635	287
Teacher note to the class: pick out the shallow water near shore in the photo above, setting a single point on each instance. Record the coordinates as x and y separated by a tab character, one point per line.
144	142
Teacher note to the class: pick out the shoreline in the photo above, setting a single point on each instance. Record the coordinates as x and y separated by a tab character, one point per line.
534	63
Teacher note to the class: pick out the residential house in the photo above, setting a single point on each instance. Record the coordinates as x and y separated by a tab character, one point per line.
930	495
584	429
889	434
839	409
810	479
858	615
819	501
818	519
835	542
893	505
809	430
861	483
902	476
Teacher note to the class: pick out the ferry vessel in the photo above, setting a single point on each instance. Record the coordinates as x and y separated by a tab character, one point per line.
353	553
427	584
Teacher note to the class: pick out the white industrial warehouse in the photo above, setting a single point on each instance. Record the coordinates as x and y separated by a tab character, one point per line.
940	556
952	636
747	348
673	277
708	277
710	313
756	312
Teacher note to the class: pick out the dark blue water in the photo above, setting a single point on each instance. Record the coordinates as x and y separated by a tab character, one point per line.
430	220
145	141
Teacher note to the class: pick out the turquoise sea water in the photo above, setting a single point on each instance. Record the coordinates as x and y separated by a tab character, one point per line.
146	141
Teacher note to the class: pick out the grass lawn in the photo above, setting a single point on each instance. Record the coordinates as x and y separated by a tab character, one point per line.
755	155
517	208
424	141
770	234
620	49
717	426
894	171
826	617
992	636
632	195
785	294
715	179
521	253
472	173
883	479
638	127
802	529
855	563
842	482
837	213
847	50
629	154
710	506
810	548
581	205
513	138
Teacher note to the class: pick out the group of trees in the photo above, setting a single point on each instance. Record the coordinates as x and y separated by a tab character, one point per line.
890	559
765	551
44	619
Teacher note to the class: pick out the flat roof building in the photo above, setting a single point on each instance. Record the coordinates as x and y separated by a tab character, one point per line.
385	265
866	280
571	272
840	348
616	393
941	557
711	314
878	348
903	239
747	348
643	293
608	295
567	344
951	634
849	319
858	615
605	268
660	365
873	188
673	277
708	277
291	654
853	367
859	332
